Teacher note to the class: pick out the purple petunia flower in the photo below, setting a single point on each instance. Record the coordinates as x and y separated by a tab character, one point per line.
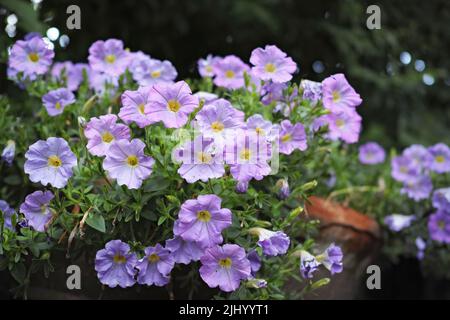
152	71
230	72
206	97
219	119
108	57
398	222
403	169
441	199
283	189
50	162
200	161
171	104
273	243
155	267
418	188
70	73
36	209
338	94
272	64
184	251
331	259
101	132
312	91
202	220
419	155
115	265
206	66
255	261
8	214
102	83
439	226
371	153
135	106
56	100
32	57
242	186
292	137
9	152
271	91
137	61
344	126
441	158
126	162
308	264
261	126
421	246
224	267
287	104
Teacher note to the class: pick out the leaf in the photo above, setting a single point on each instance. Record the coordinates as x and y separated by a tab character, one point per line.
97	222
161	220
18	272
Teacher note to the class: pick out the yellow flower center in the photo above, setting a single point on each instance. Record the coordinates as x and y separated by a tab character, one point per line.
141	108
340	123
204	157
403	169
110	58
336	96
441	225
245	154
155	74
286	137
153	258
204	215
44	209
173	105
440	159
33	56
54	161
225	263
259	131
132	161
58	105
209	69
118	258
107	137
217	126
229	74
270	67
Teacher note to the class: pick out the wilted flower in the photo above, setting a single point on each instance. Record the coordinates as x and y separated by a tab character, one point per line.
441	158
32	57
308	264
56	100
101	132
273	243
291	137
50	162
371	153
108	57
184	251
126	162
312	91
242	186
155	267
272	64
230	72
418	188
135	106
8	213
224	267
283	188
439	226
338	94
8	152
397	222
36	209
115	265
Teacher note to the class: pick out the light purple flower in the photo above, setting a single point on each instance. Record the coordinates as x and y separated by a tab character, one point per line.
418	188
32	57
403	169
308	265
287	104
344	126
126	162
8	214
115	265
152	71
338	94
439	226
272	64
9	152
312	91
101	132
419	155
171	104
371	153
206	66
184	251
200	161
291	137
271	91
398	222
421	246
202	220
135	106
102	83
36	209
441	199
137	61
283	189
242	186
108	57
331	259
273	243
56	100
224	267
206	97
50	162
441	158
70	73
230	72
255	261
155	267
261	126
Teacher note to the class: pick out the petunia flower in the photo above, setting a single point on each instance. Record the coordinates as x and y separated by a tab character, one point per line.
32	57
255	261
171	104
419	155
206	97
371	153
56	100
338	94
224	267
202	220
101	132
102	83
134	107
155	267
312	91
441	199
403	169
441	158
149	72
261	126
108	57
36	209
230	72
331	259
344	126
184	251
7	212
272	64
126	162
70	73
206	66
50	162
308	264
398	222
291	137
271	92
439	226
115	265
283	188
9	152
418	188
273	243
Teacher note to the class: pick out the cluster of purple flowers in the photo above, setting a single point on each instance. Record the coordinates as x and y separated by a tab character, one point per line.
439	221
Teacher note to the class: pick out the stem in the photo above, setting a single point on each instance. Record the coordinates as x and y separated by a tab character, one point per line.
353	189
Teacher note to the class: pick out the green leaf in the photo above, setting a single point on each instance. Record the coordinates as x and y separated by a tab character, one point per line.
19	272
97	222
161	220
